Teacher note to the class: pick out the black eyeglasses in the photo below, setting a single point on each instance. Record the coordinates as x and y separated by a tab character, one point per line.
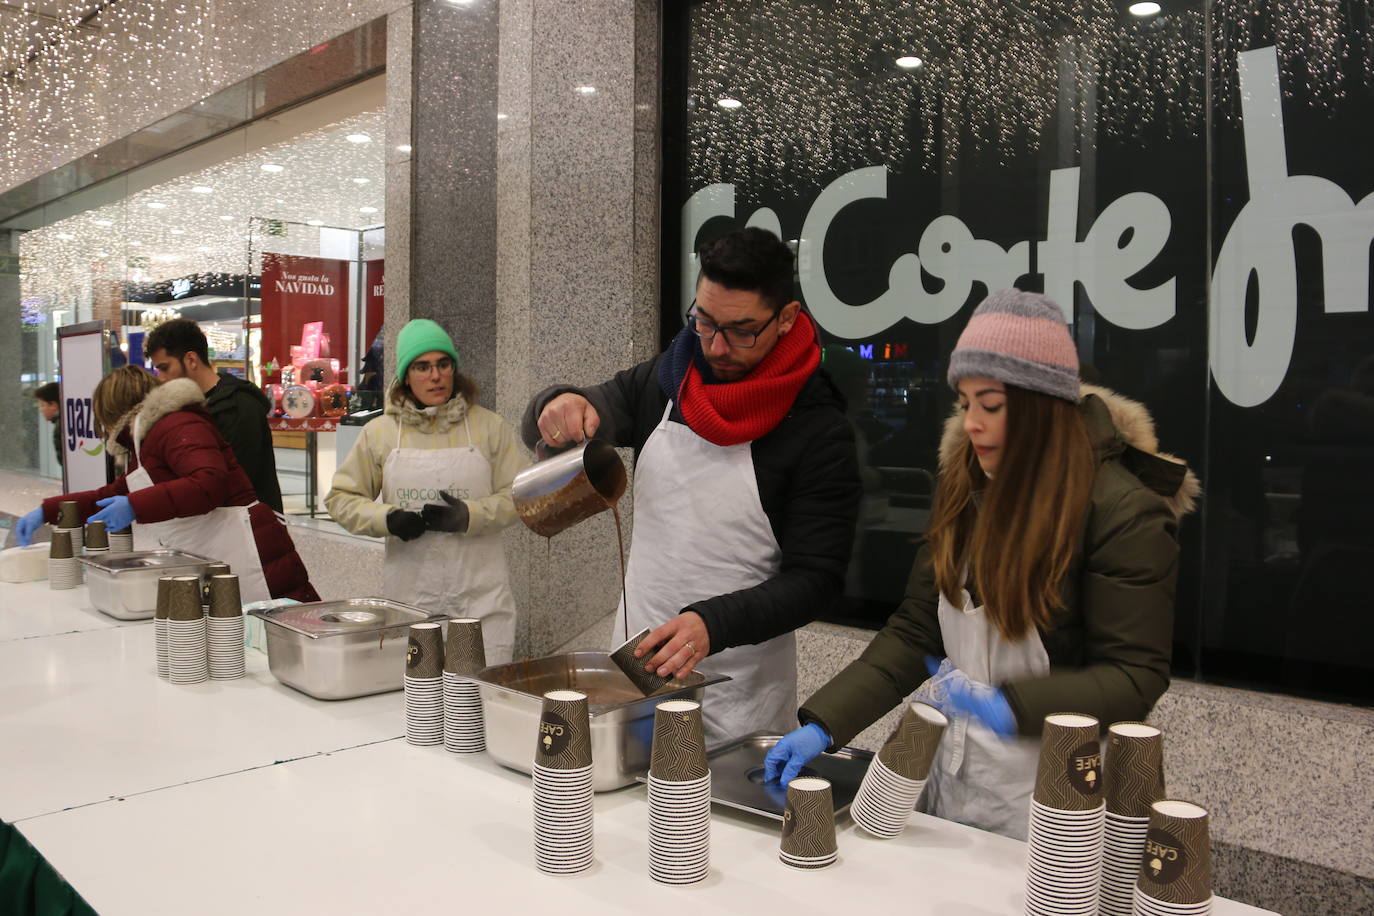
422	367
740	338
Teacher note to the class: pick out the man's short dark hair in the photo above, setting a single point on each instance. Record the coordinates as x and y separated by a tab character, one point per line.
751	259
49	392
178	337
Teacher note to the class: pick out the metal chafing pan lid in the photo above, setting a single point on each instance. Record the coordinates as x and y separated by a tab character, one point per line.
339	618
139	560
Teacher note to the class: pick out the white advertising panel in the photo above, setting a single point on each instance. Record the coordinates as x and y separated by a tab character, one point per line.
82	358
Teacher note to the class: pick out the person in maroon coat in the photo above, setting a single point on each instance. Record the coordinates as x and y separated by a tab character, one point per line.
184	488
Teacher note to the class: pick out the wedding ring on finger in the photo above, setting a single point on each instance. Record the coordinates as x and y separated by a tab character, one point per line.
557	433
691	647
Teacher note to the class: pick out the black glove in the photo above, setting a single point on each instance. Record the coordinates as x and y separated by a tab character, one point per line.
453	517
405	525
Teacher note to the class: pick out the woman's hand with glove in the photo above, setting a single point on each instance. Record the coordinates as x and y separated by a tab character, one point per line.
452	517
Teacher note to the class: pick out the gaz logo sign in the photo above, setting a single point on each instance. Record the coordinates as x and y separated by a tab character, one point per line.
81	426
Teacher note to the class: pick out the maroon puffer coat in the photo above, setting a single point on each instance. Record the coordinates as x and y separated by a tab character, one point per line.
194	471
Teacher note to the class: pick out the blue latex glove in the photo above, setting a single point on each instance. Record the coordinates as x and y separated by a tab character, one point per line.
117	514
961	696
795	750
26	526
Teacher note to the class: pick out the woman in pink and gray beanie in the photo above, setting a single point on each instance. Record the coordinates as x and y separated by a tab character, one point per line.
1045	582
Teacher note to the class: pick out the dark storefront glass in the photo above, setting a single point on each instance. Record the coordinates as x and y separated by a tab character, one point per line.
1097	156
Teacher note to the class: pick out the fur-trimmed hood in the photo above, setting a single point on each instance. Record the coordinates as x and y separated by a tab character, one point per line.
1120	428
166	398
436	419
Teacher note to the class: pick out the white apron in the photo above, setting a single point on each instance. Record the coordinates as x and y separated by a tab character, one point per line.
461	575
979	778
700	531
224	534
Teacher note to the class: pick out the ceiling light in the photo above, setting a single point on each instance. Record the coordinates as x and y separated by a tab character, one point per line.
367	209
156	205
314	222
501	116
355	181
65	235
909	62
358	138
178	232
135	243
280	201
586	90
226	218
730	103
203	248
202	189
272	167
102	254
1144	8
104	222
403	148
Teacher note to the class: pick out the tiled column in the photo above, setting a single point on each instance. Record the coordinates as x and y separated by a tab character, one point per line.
532	231
19	446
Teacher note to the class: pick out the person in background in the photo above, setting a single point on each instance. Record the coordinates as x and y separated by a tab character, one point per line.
48	399
178	349
1046	580
184	488
746	483
443	467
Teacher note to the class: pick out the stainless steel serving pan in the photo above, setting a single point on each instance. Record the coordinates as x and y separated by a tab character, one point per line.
622	718
124	585
336	650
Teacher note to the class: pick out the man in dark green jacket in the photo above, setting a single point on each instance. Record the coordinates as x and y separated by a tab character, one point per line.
178	349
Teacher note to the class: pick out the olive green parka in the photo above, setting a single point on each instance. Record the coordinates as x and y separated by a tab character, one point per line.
1108	646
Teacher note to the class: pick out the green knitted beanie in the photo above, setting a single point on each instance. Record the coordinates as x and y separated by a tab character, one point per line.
418	337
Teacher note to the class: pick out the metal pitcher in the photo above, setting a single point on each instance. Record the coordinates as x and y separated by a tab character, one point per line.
573	485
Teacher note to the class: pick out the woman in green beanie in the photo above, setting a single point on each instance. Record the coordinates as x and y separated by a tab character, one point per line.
443	468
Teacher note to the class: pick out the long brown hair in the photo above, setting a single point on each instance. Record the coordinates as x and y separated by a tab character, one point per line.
1019	537
400	391
120	392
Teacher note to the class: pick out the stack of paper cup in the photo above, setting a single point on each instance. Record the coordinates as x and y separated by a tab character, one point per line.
808	824
1064	867
187	662
225	629
97	541
69	520
1176	867
64	569
1134	780
425	685
465	654
164	594
896	776
122	541
563	836
679	795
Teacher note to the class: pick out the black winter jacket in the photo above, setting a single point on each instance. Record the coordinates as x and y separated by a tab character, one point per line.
239	410
808	478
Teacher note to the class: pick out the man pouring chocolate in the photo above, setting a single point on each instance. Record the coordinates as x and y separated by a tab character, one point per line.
746	483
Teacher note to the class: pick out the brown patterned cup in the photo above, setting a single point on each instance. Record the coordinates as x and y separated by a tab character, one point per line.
679	749
425	652
164	594
910	750
1133	772
96	536
465	653
224	596
1069	777
183	599
60	547
67	515
217	569
1177	865
565	731
808	821
648	682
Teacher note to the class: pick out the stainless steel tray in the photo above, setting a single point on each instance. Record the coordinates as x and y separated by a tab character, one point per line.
737	775
124	585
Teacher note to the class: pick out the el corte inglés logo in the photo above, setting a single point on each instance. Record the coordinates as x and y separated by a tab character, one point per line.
554	734
1164	858
1085	768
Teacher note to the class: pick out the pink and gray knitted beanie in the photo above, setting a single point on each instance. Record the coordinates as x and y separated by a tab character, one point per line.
1018	339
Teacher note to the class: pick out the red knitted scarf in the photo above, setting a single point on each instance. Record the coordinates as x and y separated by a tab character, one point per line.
742	411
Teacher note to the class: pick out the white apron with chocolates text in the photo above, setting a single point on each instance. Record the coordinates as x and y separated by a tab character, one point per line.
461	575
224	534
700	531
979	778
